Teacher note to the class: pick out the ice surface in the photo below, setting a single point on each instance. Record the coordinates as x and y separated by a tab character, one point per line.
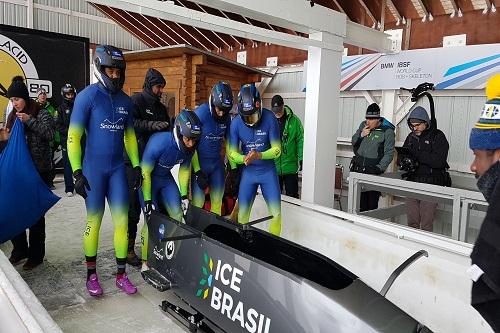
59	283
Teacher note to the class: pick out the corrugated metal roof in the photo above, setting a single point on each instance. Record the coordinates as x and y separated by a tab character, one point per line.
85	21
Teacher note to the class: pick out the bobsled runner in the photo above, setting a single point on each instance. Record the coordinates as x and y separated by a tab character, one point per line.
220	276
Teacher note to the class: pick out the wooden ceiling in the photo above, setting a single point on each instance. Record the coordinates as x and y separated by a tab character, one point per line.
156	32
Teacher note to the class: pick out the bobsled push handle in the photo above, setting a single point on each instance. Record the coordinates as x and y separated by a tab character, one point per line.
262	219
400	270
181	237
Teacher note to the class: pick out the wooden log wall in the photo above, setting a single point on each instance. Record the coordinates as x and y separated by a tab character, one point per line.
189	79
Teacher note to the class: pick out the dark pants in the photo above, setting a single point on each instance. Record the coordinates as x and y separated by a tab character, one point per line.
291	184
134	206
369	200
68	174
489	310
36	248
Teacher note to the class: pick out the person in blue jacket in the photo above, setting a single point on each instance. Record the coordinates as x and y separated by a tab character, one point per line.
163	151
257	130
208	165
104	112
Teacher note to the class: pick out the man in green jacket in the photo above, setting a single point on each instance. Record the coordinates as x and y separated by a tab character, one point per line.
373	146
289	162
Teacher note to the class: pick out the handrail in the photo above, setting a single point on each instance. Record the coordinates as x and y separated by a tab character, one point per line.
460	199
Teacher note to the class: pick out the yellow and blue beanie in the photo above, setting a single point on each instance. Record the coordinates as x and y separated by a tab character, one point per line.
485	134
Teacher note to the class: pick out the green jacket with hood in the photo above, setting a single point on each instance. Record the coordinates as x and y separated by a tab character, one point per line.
53	112
375	149
292	143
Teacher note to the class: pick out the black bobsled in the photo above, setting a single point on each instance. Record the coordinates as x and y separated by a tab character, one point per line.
225	277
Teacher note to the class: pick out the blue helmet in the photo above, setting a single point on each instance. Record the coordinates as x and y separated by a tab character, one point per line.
249	105
187	124
221	97
109	56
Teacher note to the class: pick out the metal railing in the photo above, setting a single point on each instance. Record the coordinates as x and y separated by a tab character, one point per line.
461	199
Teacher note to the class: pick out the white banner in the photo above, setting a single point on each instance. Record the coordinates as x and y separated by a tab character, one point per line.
464	67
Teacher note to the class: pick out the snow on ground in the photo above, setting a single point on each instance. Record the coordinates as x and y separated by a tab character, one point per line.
59	282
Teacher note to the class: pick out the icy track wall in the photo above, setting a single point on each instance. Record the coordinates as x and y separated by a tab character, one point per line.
20	310
434	290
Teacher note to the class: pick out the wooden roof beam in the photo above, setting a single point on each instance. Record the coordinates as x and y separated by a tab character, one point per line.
420	8
394	11
115	12
216	46
341	9
368	11
242	46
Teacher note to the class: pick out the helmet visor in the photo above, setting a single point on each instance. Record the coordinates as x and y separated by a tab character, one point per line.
252	119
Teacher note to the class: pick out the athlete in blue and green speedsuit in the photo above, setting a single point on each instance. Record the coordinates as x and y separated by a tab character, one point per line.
256	129
163	151
104	112
208	165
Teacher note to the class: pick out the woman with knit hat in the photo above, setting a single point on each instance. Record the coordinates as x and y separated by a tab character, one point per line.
39	129
485	270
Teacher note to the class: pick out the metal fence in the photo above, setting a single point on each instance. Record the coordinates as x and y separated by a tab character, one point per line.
462	199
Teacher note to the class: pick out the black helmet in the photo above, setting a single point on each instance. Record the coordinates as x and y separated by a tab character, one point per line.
222	98
249	105
66	89
187	124
109	56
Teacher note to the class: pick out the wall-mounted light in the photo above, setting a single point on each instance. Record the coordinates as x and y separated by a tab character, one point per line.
431	18
404	20
378	25
424	19
452	14
485	10
398	22
460	13
493	8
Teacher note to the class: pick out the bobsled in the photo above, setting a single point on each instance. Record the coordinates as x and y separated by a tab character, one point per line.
221	276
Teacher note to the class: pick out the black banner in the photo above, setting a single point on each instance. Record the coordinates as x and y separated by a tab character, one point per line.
44	59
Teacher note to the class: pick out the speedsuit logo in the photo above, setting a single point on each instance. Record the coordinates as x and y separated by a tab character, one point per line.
116	126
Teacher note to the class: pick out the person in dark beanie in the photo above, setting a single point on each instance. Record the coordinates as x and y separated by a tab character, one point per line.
373	146
485	270
428	149
289	162
150	116
39	128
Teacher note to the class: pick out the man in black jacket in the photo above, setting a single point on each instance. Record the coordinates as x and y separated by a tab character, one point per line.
68	93
485	269
428	150
150	116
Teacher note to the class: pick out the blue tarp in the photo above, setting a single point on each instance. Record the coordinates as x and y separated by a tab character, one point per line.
24	197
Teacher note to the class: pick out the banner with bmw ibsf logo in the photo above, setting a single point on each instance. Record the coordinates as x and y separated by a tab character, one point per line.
45	59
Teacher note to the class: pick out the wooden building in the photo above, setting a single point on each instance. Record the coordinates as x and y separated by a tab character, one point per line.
190	74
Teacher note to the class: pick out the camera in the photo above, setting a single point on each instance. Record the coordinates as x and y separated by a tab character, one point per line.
408	164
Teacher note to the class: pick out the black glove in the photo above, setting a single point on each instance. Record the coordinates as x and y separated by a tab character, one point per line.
137	177
201	179
160	126
300	165
148	209
372	170
81	183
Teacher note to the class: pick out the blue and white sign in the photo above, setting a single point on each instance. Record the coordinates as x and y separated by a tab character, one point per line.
461	67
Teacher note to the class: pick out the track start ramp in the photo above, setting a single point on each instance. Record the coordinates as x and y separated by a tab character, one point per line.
434	290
